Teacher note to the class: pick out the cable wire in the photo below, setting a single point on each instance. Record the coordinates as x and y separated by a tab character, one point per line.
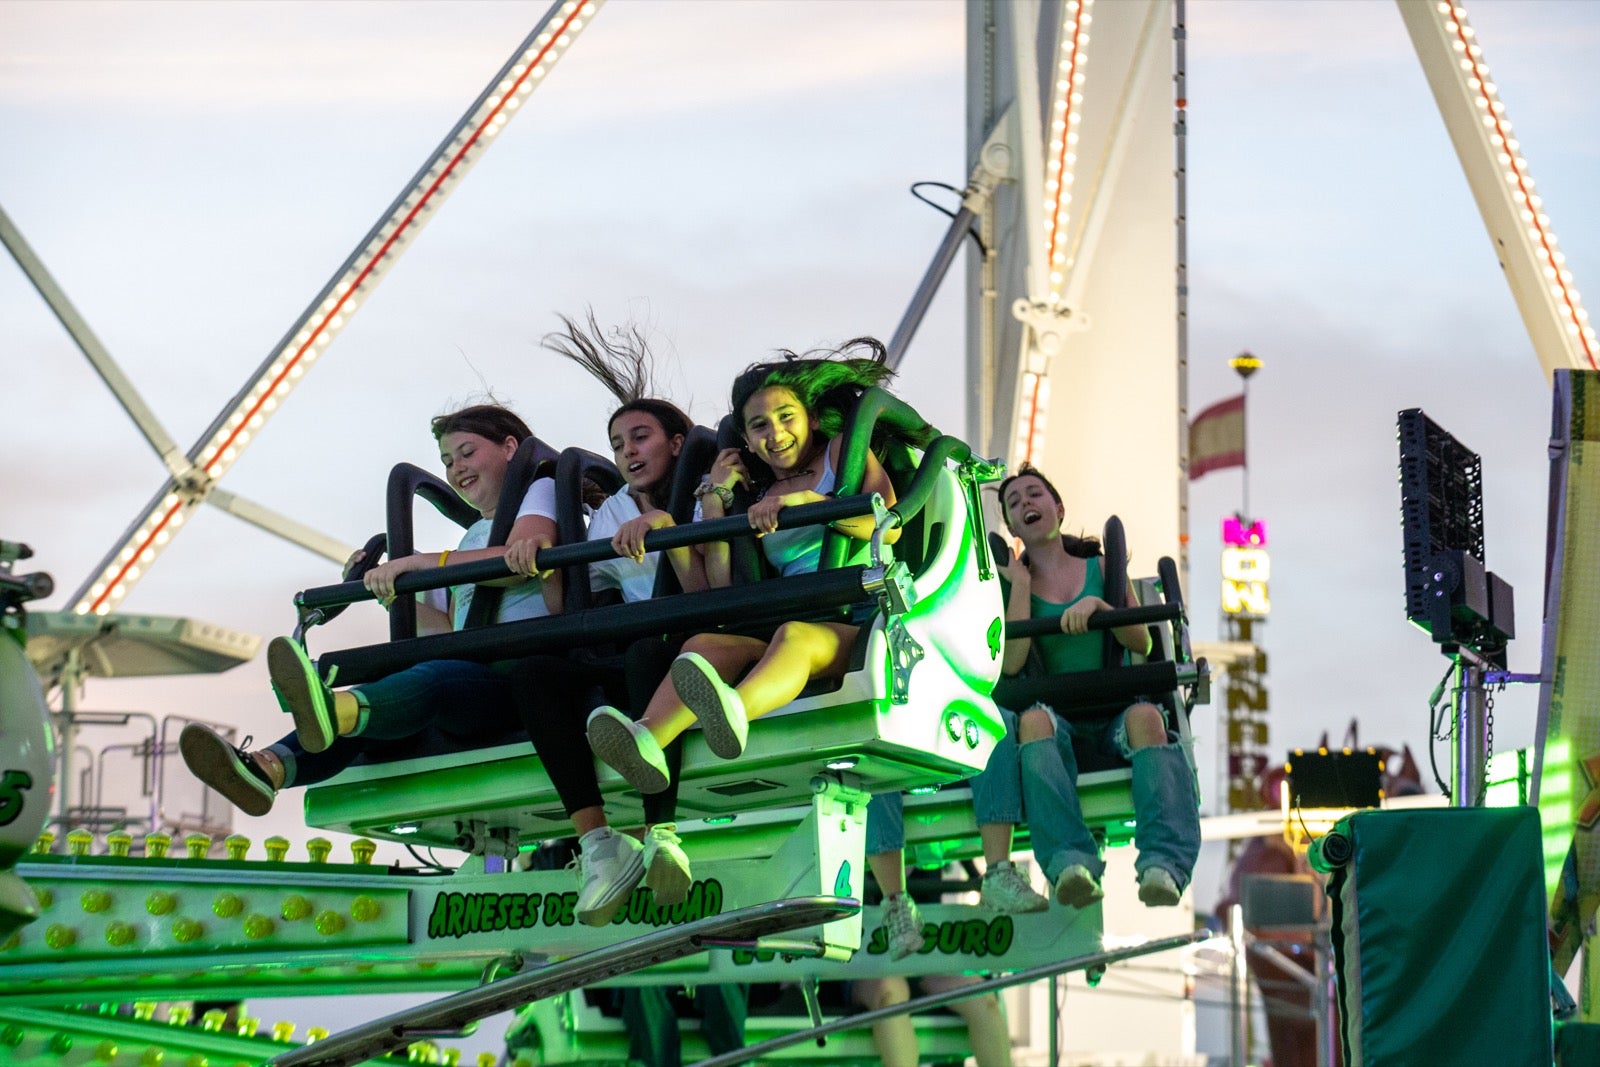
430	864
1435	718
916	188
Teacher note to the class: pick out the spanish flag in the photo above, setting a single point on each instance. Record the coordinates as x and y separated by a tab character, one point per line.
1216	437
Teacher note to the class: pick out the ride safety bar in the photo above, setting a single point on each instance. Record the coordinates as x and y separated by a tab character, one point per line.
1085	694
744	605
586	552
1100	620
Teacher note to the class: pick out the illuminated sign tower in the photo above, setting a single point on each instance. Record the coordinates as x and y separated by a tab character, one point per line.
1246	570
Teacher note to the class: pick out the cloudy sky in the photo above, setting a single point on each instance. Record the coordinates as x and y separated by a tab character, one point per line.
733	176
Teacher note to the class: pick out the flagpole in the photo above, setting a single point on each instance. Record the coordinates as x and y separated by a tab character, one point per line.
1244	364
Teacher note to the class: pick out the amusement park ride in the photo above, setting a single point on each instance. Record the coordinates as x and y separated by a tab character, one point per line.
779	887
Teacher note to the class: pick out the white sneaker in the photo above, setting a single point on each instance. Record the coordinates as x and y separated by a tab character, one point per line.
609	867
628	748
1158	889
1077	888
666	868
1006	890
714	702
904	924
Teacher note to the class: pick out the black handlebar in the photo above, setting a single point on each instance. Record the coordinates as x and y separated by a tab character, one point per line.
22	587
1100	620
585	552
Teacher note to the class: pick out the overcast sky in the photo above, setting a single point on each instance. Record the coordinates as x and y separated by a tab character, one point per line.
734	177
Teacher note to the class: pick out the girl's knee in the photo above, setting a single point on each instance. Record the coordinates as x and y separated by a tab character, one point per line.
703	644
978	1010
1146	726
795	633
875	993
1036	724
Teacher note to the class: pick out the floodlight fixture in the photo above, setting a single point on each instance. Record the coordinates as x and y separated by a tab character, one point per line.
1449	593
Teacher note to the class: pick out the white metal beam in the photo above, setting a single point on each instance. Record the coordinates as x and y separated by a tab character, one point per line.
1497	172
174	459
264	518
332	308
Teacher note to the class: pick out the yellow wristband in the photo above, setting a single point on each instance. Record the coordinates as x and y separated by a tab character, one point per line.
444	556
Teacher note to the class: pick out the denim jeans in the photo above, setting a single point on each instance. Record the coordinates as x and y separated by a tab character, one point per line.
996	796
1165	805
463	699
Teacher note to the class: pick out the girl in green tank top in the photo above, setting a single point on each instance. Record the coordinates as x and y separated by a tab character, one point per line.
1060	576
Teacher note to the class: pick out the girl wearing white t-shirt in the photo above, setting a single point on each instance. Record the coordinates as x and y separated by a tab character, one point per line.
332	727
553	693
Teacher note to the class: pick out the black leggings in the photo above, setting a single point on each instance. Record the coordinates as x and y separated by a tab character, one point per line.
554	696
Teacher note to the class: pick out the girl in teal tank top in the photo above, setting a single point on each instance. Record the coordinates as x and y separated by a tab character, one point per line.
1060	575
790	412
1063	654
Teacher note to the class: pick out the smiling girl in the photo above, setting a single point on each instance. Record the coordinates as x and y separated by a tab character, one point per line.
475	447
790	413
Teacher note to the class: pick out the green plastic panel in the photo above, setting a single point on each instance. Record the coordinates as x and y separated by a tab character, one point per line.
1439	934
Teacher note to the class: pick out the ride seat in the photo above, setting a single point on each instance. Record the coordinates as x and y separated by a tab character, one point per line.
917	711
940	823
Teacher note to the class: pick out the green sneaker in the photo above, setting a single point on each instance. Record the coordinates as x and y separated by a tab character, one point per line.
302	693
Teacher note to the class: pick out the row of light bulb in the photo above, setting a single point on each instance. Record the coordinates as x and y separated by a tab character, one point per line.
1529	205
319	326
1060	156
1028	445
1065	114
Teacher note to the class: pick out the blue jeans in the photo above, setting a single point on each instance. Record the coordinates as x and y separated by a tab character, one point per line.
1165	804
996	796
463	699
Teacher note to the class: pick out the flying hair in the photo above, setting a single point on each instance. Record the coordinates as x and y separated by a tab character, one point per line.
827	383
621	361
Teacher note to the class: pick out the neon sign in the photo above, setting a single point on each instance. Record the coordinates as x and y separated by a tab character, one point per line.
1246	567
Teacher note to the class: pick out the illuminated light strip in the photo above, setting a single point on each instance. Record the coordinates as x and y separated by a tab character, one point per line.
333	308
1030	431
1553	262
1065	114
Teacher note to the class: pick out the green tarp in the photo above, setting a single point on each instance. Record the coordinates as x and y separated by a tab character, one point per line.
1439	938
